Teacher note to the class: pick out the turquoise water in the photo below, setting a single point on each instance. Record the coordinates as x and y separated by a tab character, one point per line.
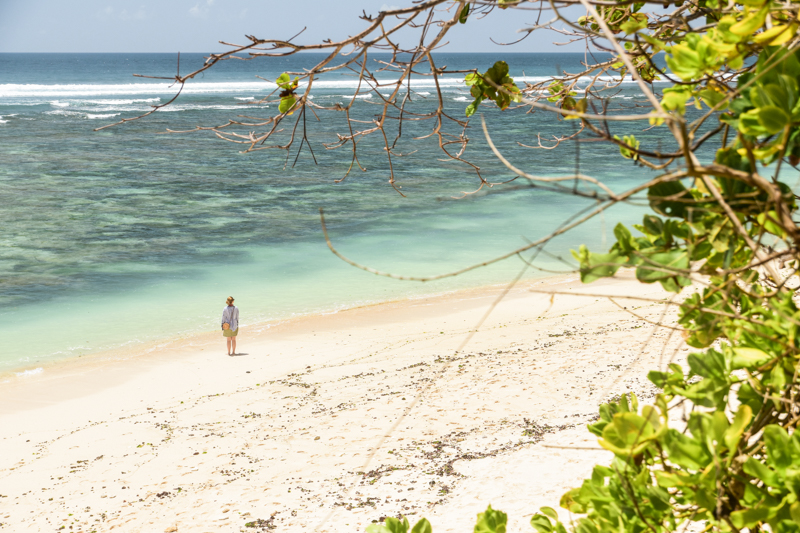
124	237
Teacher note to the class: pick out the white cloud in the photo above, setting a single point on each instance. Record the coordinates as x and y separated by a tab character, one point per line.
387	7
201	11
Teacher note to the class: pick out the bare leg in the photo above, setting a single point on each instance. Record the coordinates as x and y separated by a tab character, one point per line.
233	339
229	344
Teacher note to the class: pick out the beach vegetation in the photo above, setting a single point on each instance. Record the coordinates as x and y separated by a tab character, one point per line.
717	448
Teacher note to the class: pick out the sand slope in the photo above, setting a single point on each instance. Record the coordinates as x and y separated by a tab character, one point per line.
299	432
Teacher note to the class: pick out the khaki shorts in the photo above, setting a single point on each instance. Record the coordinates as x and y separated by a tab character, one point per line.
230	332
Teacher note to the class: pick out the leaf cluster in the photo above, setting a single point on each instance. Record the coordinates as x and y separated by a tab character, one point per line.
287	95
495	84
733	462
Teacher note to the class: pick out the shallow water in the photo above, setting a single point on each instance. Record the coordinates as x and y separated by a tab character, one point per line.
125	236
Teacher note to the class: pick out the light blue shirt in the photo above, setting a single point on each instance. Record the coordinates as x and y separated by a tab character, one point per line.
230	314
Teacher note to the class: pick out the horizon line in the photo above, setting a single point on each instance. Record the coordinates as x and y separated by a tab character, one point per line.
303	52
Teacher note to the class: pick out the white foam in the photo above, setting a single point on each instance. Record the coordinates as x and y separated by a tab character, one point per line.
124	102
32	372
56	103
16	90
461	99
107	115
246	98
190	107
64	113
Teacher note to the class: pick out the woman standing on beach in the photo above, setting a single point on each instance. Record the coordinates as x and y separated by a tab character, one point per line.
230	324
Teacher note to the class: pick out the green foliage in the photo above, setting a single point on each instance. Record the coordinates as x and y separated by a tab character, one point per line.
625	18
491	521
767	113
393	525
288	98
733	463
464	14
495	84
626	151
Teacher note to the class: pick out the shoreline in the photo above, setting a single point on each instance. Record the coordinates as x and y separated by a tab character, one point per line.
206	338
334	422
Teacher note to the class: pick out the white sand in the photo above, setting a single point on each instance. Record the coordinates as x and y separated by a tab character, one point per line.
188	439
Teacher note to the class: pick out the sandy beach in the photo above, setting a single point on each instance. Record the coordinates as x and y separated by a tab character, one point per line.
332	422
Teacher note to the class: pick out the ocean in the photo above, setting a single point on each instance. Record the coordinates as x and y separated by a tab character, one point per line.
128	236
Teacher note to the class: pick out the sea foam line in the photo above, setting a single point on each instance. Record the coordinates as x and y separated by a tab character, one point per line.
31	372
13	90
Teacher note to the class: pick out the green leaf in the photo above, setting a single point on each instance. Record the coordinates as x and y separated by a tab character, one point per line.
685	451
472	78
283	81
748	358
779	455
760	471
287	103
628	150
627	435
749	24
661	266
653	225
773	119
498	71
777	35
541	523
684	61
392	525
471	108
625	241
397	526
464	14
749	517
670	480
794	512
670	198
747	395
711	98
740	422
491	521
570	502
710	364
633	25
423	526
549	511
595	266
768	221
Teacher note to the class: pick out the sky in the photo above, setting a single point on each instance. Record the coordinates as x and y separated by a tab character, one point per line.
197	25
